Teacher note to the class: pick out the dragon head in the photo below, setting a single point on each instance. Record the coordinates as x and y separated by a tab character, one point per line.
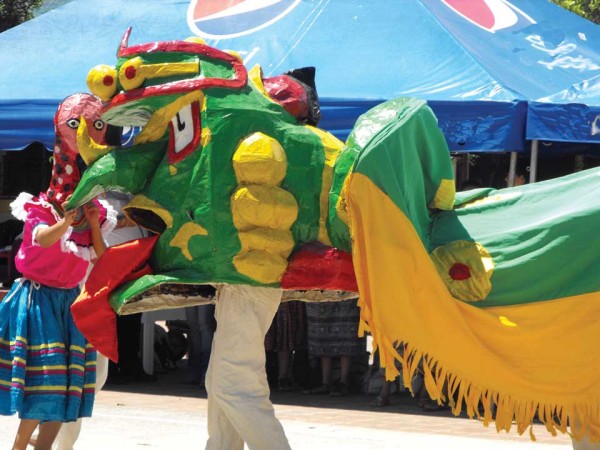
227	167
159	87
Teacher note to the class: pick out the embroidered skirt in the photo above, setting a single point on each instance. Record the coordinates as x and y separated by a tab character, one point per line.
333	329
47	369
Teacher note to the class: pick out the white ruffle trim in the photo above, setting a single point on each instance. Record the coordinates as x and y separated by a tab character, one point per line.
86	253
37	228
111	218
17	206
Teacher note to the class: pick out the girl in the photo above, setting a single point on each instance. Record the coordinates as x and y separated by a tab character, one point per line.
47	370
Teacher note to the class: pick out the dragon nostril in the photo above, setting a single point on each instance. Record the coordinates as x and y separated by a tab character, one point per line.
180	123
113	135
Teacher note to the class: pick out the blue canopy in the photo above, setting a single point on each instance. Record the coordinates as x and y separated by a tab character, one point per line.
496	72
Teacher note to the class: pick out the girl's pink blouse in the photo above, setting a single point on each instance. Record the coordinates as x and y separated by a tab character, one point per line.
64	264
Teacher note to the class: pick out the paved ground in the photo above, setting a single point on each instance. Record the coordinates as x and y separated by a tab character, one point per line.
170	415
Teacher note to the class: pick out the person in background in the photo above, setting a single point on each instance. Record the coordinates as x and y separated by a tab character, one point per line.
287	336
383	398
202	325
520	177
129	367
333	333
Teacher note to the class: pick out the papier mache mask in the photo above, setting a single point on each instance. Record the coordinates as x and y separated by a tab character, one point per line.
68	164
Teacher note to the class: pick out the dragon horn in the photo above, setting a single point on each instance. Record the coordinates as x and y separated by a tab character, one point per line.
124	42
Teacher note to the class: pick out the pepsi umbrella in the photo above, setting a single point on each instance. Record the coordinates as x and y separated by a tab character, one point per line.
495	72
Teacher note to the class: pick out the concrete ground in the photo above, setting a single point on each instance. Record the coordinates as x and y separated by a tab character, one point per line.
169	415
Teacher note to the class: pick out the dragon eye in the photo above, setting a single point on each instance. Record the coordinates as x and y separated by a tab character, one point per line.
102	81
131	74
98	124
73	123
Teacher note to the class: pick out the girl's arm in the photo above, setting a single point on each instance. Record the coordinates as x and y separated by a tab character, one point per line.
91	212
48	236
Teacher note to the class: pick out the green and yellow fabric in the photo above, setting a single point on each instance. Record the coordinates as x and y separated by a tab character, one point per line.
231	181
497	293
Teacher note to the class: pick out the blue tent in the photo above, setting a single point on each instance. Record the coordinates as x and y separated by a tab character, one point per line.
496	72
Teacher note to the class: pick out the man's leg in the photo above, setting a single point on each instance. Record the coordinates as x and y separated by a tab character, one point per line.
221	434
69	432
238	392
585	444
206	319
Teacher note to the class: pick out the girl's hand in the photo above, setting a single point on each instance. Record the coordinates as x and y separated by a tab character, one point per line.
70	216
48	236
91	213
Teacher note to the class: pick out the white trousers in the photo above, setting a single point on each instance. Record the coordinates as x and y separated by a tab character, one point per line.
69	432
239	408
585	444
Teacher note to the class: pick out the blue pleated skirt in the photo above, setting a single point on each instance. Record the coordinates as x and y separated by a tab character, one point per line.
47	369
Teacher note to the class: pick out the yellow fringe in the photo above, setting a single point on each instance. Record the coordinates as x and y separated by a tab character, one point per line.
376	261
579	420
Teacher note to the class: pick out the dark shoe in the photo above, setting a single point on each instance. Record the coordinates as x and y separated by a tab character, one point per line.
323	389
380	401
431	405
339	390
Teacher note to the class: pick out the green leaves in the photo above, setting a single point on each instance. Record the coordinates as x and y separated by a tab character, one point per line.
14	12
590	9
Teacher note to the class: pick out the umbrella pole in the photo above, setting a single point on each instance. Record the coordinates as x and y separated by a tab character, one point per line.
512	169
454	165
534	161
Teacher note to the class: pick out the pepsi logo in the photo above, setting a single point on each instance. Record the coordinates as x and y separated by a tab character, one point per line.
215	19
491	15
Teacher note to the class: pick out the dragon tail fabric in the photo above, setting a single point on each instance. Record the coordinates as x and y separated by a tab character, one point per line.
438	292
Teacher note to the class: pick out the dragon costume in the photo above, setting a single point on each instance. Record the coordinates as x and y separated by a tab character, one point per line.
495	292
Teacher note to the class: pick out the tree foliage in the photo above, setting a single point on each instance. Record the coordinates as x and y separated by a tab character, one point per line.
14	12
590	9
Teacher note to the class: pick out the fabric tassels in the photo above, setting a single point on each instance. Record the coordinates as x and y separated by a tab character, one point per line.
482	403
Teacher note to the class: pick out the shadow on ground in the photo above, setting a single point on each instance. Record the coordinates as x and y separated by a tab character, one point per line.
175	383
